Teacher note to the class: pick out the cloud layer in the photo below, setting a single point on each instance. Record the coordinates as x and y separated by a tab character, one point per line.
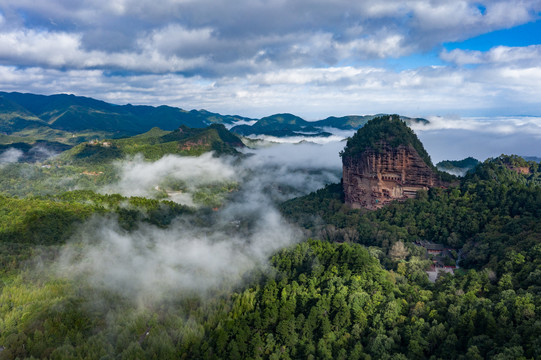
257	58
455	138
214	36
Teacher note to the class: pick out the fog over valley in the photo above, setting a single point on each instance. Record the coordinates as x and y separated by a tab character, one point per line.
283	180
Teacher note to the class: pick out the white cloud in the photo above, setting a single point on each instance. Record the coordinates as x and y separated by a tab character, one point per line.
455	138
142	178
55	49
217	37
497	55
312	76
380	46
495	125
65	50
176	39
310	92
149	263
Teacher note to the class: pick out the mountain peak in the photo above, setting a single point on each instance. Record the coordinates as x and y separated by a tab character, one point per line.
383	162
389	130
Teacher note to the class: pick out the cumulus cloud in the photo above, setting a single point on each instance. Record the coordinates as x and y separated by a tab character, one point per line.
312	93
497	55
216	37
65	50
258	58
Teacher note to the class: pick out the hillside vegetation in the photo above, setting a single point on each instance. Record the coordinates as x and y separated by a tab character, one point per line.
389	129
353	294
458	166
281	125
354	287
69	113
155	144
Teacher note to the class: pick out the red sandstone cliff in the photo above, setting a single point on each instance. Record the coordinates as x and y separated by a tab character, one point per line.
377	170
375	178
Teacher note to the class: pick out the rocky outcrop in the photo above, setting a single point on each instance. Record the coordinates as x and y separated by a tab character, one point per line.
377	176
524	170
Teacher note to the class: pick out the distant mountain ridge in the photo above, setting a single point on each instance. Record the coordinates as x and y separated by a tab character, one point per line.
292	125
72	113
58	117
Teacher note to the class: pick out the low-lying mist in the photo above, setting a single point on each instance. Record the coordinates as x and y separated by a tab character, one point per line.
453	138
29	154
207	251
281	171
10	155
150	263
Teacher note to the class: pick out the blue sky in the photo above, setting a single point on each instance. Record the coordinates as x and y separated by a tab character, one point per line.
258	57
518	36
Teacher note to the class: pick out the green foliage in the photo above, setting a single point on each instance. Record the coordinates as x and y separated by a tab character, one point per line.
30	223
385	129
155	144
34	180
37	221
494	210
363	294
323	300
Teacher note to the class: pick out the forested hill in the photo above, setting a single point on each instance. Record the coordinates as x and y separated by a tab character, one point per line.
361	292
385	129
355	287
76	113
492	220
494	209
154	144
358	292
290	125
458	166
74	119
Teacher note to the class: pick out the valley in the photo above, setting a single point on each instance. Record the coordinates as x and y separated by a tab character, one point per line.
198	242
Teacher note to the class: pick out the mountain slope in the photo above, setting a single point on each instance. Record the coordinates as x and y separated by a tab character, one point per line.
39	116
351	122
154	144
290	125
76	113
385	162
279	125
460	167
388	129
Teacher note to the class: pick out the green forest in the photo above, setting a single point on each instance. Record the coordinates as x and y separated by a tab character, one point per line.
354	286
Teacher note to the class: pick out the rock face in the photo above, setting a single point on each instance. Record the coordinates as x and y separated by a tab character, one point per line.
377	177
